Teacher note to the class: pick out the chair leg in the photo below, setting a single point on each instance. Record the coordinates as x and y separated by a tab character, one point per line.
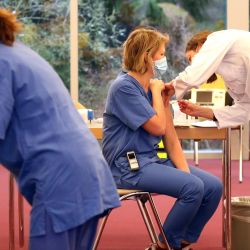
11	214
147	220
100	230
159	224
21	219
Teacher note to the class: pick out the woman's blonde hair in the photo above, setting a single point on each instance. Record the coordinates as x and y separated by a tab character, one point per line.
9	26
139	48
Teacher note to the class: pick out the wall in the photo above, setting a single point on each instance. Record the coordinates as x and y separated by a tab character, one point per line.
238	18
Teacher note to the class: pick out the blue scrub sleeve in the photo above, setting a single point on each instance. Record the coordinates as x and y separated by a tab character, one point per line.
6	99
131	107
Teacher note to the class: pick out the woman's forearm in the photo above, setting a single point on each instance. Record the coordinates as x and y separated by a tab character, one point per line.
206	113
172	144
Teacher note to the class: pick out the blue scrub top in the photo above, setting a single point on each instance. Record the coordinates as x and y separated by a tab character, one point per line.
128	107
57	162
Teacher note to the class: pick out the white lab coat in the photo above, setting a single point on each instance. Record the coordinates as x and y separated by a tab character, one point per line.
227	53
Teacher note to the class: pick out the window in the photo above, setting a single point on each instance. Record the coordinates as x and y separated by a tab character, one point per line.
46	30
104	25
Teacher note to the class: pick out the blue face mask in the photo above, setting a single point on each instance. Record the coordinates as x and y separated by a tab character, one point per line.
161	65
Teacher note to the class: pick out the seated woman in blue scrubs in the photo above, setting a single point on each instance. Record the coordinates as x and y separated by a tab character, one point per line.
44	142
137	116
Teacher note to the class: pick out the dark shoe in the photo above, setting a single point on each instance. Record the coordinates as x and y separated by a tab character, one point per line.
152	247
155	246
184	246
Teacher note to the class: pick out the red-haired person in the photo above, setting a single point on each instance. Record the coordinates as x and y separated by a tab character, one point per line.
44	142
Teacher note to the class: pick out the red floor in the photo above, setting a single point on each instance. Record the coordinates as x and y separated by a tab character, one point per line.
125	229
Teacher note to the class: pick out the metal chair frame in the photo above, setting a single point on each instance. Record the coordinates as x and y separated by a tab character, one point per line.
141	197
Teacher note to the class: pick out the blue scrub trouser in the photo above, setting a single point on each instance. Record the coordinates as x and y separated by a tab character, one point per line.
79	238
198	195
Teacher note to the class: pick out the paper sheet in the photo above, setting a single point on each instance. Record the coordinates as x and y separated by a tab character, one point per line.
205	124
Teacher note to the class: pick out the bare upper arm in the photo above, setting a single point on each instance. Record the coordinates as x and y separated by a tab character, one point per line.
154	126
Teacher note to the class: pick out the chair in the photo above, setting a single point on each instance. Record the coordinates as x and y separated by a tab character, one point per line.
141	197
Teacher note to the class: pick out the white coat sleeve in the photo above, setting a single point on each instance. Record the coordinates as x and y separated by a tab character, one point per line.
232	116
239	113
205	63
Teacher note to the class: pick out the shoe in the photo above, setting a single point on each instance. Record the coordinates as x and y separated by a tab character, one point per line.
155	246
187	248
183	248
152	247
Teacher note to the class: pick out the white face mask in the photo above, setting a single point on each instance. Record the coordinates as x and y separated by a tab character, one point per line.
161	65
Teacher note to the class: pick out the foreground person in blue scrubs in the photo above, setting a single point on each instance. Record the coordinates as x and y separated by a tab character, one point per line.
57	162
137	116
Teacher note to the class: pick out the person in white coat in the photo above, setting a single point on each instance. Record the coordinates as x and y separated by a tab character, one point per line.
226	52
